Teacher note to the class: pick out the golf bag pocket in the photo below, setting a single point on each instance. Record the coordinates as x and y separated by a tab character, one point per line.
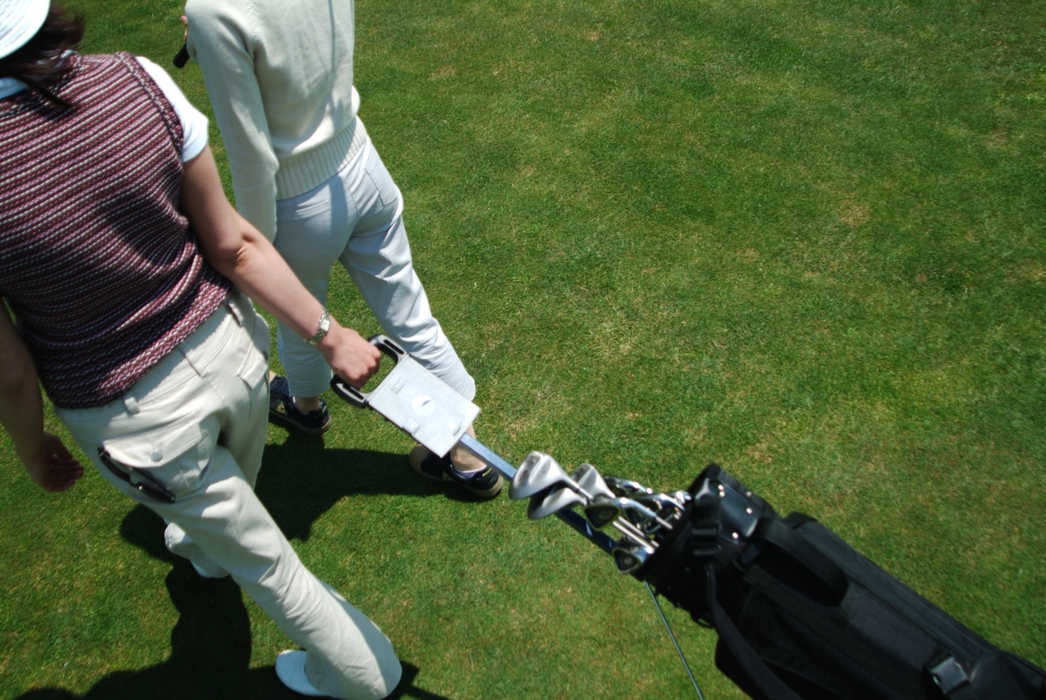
802	615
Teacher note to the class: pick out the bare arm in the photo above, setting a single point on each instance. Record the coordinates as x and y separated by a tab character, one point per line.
49	463
244	256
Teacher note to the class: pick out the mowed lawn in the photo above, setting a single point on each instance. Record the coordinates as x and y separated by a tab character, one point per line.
804	240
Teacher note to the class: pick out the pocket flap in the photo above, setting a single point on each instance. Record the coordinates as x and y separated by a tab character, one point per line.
154	447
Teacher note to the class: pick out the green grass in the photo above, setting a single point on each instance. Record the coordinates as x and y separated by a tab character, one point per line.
803	240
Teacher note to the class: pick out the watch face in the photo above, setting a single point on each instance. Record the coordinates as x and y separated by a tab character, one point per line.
321	332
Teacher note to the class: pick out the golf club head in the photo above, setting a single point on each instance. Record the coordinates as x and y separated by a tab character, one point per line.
537	472
555	501
626	487
661	503
605	509
634	508
591	482
630	557
602	511
638	514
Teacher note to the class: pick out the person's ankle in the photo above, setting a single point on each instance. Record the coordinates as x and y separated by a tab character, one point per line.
307	404
465	462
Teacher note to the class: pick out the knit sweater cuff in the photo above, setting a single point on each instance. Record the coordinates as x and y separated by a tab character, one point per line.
304	171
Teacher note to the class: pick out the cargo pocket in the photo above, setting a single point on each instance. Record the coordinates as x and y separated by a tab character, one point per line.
171	453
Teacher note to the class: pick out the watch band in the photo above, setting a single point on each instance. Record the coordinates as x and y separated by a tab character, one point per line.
321	332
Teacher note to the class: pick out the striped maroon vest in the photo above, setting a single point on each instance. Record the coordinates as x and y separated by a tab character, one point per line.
99	266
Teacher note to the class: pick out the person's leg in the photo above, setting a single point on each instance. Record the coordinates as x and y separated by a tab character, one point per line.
347	655
378	259
243	438
310	236
186	427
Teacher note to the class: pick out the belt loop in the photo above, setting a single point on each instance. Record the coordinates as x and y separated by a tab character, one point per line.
233	301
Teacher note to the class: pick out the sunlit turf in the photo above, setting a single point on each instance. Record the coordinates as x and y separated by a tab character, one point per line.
803	240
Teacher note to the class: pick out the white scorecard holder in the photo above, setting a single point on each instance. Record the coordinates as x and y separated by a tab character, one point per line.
415	401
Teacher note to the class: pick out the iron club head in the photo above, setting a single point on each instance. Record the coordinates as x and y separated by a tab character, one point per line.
603	510
537	472
626	487
555	501
589	480
661	502
630	557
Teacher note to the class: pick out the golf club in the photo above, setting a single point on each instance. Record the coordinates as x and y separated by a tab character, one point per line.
589	479
629	557
625	487
662	503
556	500
602	510
537	473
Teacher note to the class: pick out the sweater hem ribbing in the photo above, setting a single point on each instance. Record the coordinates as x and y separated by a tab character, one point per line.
305	171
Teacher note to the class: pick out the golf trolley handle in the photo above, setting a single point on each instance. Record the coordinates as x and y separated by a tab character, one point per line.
353	395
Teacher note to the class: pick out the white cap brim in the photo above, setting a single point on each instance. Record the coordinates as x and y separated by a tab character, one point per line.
20	20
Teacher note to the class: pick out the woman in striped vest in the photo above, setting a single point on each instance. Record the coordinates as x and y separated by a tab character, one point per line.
128	273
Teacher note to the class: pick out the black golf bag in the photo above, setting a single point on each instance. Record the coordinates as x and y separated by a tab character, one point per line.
801	614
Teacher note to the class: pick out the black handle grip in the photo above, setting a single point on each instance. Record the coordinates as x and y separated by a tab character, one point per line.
353	395
182	57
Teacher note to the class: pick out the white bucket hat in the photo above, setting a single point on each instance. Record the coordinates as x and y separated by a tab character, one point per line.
20	20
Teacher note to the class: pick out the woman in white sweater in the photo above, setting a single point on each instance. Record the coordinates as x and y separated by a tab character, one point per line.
304	171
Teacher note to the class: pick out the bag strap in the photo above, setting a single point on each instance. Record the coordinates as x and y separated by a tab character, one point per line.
767	682
778	533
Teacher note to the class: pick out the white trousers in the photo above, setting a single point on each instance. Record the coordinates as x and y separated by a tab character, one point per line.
196	423
356	217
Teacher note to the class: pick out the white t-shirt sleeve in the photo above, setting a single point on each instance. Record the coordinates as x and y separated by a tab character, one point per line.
194	124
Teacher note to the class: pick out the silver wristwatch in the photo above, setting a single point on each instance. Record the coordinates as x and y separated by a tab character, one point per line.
321	332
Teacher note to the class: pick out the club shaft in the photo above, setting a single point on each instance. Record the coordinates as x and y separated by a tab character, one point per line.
623	525
566	515
636	537
673	637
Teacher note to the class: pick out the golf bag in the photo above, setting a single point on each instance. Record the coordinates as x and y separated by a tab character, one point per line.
801	614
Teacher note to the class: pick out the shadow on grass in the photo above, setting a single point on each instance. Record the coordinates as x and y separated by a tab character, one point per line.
300	480
211	642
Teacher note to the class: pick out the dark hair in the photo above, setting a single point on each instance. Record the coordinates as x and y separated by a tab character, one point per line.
41	62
